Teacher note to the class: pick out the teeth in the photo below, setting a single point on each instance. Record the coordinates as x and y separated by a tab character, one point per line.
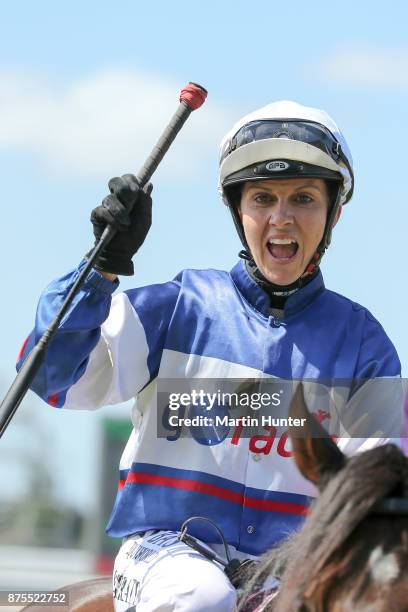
281	241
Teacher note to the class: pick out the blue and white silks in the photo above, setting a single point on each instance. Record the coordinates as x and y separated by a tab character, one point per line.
203	324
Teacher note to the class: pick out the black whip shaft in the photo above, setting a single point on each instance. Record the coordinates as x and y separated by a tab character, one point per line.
35	358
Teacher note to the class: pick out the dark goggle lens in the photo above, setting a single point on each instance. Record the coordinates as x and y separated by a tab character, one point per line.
304	131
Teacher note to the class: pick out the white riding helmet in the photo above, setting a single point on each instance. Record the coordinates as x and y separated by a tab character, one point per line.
286	140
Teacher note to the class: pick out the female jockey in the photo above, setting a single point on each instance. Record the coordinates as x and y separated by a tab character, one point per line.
285	173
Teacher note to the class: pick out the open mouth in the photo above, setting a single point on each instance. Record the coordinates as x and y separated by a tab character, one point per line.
283	249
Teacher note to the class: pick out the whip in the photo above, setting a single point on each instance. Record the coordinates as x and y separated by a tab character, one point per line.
191	97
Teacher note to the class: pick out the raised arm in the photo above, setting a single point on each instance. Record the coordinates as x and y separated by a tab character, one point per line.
79	345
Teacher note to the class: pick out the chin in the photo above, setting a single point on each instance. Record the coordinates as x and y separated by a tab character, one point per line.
279	278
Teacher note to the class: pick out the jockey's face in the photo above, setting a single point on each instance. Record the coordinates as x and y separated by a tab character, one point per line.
284	221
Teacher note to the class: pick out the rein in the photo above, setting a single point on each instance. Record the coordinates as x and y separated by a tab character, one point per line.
235	569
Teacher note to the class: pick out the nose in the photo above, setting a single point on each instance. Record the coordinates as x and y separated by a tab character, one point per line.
281	213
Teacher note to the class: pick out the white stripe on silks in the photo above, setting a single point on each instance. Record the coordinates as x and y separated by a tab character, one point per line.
228	459
122	348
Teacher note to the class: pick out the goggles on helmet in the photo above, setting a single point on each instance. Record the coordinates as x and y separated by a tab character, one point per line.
303	131
256	148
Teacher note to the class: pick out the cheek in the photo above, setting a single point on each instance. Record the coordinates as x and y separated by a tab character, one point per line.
313	226
250	226
245	219
248	221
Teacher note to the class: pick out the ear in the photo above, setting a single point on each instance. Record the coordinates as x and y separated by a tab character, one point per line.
337	216
315	453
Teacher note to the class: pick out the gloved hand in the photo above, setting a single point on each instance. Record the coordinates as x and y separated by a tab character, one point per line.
128	209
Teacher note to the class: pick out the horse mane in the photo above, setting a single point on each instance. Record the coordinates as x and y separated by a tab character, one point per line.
317	553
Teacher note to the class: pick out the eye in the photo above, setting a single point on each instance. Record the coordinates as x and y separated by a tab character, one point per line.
303	198
262	197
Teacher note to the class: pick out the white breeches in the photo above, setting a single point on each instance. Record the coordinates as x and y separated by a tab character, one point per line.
155	572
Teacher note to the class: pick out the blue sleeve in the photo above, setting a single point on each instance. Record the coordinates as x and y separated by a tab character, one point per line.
78	334
105	350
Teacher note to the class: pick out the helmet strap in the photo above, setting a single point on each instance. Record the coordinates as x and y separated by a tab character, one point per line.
240	229
278	294
326	239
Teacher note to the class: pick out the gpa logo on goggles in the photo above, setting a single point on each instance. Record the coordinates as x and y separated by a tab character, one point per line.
277	166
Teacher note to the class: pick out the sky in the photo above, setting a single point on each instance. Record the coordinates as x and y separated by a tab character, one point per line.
85	91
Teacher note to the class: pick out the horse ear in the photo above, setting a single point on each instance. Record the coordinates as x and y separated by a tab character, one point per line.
315	453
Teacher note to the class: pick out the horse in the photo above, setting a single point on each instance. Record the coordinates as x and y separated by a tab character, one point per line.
351	554
94	595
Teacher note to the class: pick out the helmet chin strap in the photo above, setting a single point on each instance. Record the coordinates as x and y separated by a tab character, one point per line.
326	239
278	291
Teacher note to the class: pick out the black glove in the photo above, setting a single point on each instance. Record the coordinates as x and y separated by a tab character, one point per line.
129	210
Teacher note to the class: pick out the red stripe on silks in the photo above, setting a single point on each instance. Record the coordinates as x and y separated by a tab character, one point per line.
121	484
274	506
187	485
208	489
23	348
52	400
